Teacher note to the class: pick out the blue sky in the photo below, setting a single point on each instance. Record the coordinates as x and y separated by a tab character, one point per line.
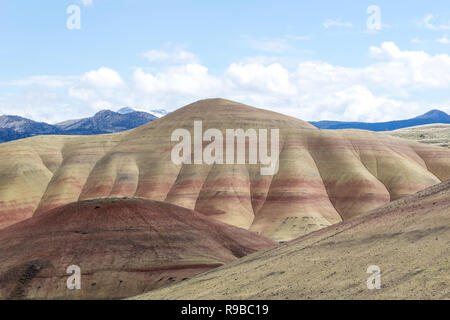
310	60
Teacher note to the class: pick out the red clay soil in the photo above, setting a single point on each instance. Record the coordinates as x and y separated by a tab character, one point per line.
124	247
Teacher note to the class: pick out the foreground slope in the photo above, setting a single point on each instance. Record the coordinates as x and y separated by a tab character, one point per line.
434	134
407	239
324	176
123	247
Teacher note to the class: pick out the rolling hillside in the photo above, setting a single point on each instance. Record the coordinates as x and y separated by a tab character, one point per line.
408	240
434	134
324	176
123	247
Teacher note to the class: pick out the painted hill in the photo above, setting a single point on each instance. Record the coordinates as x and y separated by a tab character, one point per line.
407	239
324	176
123	247
434	134
433	116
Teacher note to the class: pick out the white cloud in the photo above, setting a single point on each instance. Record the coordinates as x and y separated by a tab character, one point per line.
408	70
191	79
443	40
336	23
57	98
253	77
390	87
175	56
314	90
417	41
103	78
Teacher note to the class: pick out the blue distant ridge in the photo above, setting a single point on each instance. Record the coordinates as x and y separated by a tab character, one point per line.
105	121
433	116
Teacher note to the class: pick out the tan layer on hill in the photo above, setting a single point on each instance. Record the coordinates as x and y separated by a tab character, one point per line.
324	175
434	134
123	247
409	240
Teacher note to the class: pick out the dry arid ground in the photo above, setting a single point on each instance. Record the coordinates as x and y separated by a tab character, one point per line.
435	134
408	239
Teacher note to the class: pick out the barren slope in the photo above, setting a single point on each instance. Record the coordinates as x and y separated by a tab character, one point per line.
123	246
435	134
324	176
408	239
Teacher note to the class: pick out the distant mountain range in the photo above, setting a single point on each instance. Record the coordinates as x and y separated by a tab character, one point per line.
433	116
105	121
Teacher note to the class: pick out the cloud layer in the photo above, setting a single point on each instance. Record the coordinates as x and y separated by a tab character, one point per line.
386	89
